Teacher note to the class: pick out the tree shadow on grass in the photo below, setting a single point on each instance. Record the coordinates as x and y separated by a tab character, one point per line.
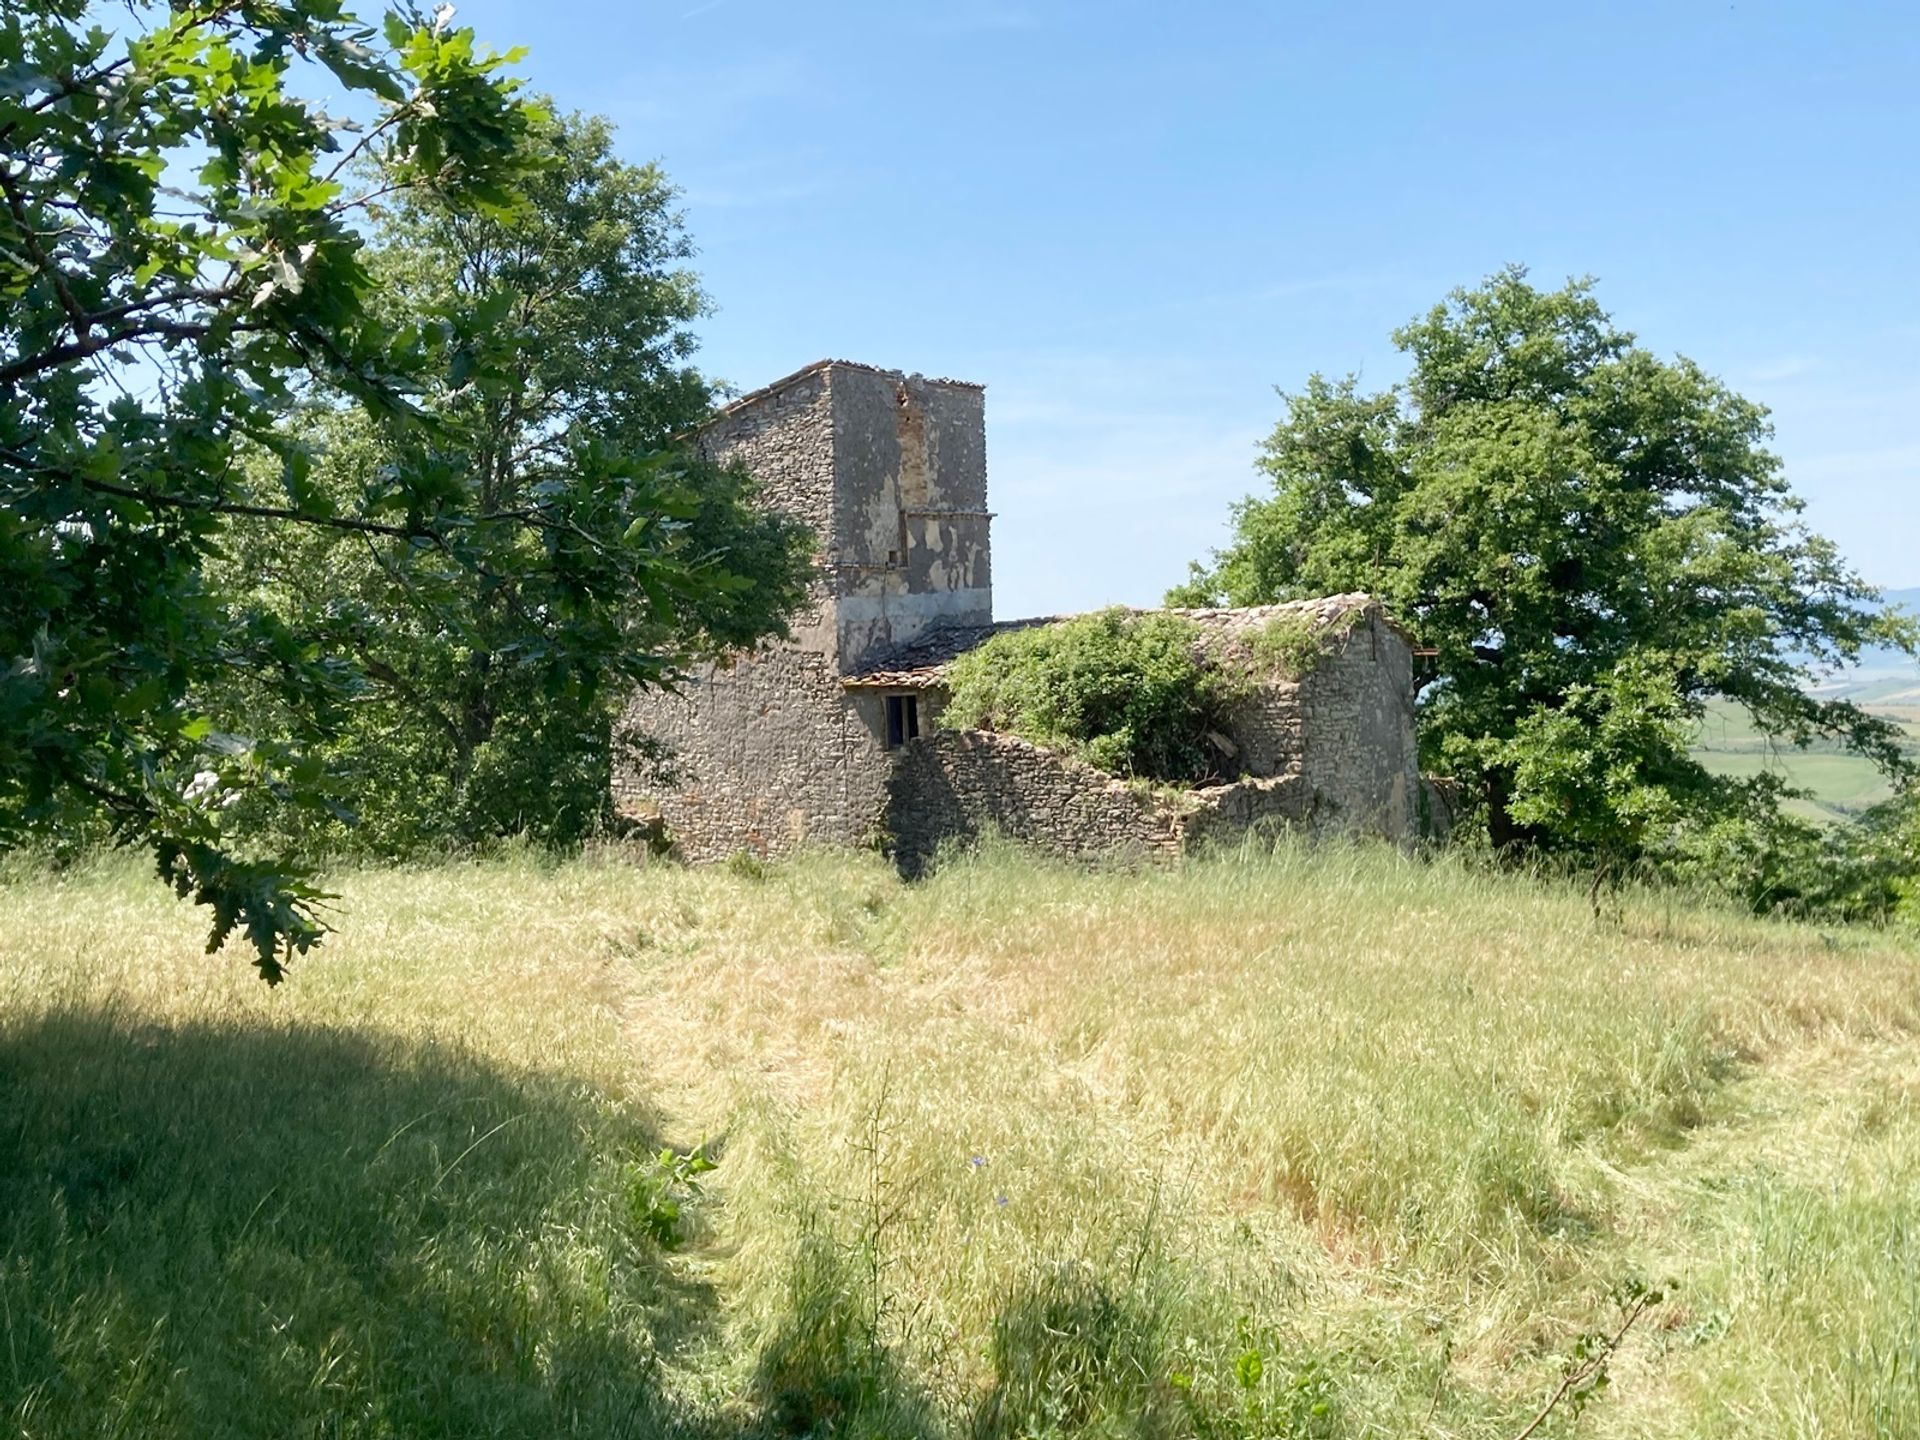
297	1231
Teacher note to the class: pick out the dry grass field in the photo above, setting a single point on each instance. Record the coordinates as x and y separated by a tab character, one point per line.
1303	1144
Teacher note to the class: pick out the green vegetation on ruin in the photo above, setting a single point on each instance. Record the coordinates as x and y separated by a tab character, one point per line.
1134	695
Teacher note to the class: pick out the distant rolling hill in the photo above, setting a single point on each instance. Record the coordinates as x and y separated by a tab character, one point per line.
1880	663
1885	682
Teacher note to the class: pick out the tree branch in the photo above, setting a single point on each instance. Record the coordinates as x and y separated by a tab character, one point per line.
91	345
214	506
1585	1371
76	312
406	692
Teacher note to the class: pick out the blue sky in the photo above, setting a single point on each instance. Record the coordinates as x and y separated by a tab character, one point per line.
1132	221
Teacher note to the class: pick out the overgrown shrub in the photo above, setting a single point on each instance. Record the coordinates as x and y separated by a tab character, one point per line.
1131	694
1776	864
1291	644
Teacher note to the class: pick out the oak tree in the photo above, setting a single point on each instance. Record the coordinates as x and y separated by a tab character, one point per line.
184	265
1594	541
496	726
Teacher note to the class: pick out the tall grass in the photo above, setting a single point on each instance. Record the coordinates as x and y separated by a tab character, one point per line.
1286	1143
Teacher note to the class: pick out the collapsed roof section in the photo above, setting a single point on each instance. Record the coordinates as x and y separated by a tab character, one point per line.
924	664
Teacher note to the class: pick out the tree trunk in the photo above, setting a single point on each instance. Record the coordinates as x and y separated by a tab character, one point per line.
1508	836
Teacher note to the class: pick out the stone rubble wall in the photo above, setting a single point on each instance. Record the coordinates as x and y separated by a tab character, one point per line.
1267	729
957	785
890	473
1340	752
785	441
1358	758
769	754
772	752
1226	814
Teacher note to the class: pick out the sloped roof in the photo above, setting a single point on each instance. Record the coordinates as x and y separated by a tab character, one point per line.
923	663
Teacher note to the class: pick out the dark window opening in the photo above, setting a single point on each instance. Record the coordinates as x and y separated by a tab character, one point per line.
903	720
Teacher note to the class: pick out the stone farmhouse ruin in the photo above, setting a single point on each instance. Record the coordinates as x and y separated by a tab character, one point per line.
833	737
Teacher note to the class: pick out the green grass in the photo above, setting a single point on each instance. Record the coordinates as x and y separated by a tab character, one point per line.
1840	786
1018	1150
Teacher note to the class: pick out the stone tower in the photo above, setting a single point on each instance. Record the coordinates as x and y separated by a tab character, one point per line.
889	470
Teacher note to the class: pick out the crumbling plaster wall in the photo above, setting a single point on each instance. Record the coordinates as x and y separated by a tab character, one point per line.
913	529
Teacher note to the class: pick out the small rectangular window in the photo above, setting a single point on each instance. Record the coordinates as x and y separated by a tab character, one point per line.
903	720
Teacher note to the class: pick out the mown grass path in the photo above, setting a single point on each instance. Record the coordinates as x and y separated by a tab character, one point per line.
1326	1143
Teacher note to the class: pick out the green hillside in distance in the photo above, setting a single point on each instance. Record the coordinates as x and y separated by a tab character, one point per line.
1840	786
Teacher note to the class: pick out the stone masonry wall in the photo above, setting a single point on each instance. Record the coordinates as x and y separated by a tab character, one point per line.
1359	759
957	785
960	784
773	752
770	754
1227	814
1337	750
889	471
1267	729
785	441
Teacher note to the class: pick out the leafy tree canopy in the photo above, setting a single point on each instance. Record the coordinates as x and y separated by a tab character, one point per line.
184	264
1594	540
491	728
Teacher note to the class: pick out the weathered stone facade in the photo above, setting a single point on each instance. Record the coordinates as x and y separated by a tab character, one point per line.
832	737
1329	751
